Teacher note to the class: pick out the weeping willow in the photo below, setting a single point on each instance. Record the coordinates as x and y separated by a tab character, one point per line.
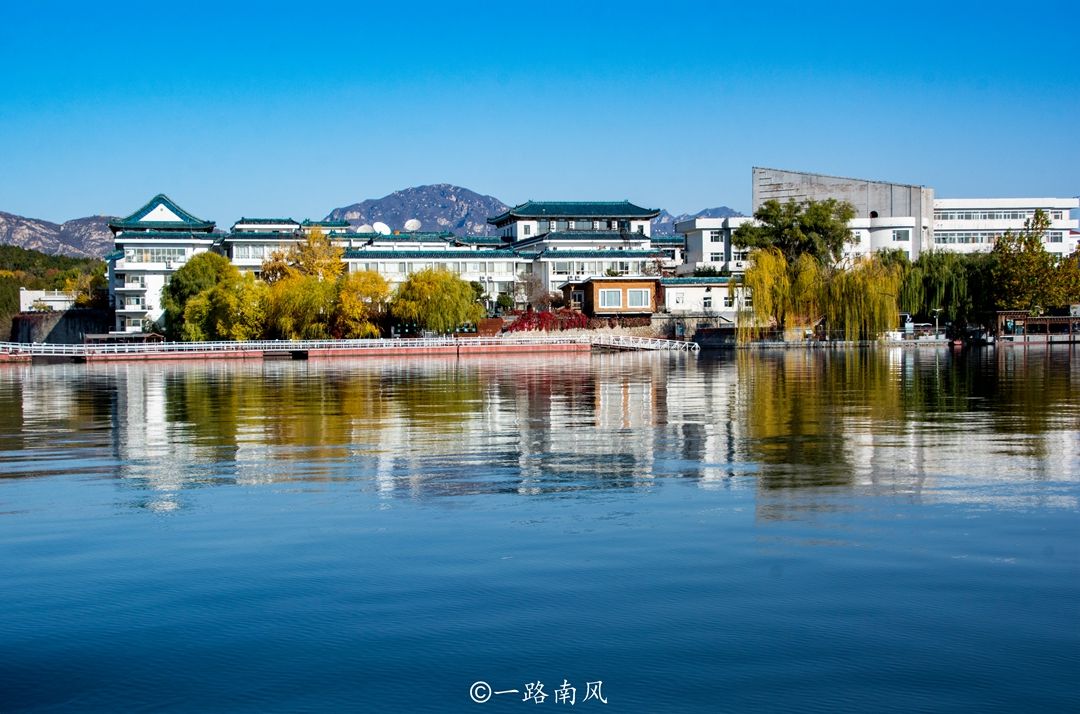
784	294
861	301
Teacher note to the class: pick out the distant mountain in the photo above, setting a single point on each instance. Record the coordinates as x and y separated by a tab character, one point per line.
81	238
664	224
439	207
445	207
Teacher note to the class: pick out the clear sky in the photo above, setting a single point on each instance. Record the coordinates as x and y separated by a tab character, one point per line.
296	108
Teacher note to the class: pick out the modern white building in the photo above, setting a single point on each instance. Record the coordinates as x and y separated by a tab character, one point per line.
969	225
912	218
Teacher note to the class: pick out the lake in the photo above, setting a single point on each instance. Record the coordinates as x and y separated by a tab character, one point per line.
883	530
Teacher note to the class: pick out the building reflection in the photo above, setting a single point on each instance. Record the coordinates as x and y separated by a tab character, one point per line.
907	423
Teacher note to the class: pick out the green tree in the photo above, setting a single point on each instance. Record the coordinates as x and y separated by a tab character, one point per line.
202	272
436	300
817	228
233	309
361	304
1024	273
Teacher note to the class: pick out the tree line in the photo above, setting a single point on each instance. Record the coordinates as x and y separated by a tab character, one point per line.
306	293
799	279
34	270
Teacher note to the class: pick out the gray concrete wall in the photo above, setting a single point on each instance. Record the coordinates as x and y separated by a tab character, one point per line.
887	199
59	328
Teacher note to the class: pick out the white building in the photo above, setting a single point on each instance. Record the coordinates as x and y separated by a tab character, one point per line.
150	245
970	225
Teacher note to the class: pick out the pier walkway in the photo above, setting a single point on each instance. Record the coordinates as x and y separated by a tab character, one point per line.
309	349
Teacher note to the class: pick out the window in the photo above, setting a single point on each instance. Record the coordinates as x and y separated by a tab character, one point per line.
577	296
716	257
679	296
528	229
748	302
729	301
637	298
716	236
611	298
706	302
1055	237
901	234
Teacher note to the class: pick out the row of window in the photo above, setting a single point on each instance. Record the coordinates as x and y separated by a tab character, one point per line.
155	255
597	267
1011	214
454	267
707	300
257	251
635	297
984	237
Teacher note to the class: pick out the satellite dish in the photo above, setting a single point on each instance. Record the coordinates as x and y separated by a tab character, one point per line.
381	228
412	225
366	228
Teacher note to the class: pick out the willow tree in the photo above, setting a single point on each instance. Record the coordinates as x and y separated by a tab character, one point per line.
233	309
315	256
361	304
436	300
301	307
861	300
796	248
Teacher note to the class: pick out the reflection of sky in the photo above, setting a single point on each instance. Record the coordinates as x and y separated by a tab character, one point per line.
546	425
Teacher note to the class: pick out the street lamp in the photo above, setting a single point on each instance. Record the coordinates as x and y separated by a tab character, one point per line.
937	313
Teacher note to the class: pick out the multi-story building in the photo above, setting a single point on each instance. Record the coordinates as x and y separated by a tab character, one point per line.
553	241
911	218
149	246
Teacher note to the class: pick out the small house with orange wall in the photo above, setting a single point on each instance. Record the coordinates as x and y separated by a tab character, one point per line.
613	296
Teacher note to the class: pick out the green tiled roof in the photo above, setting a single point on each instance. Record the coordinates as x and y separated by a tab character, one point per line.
711	280
131	236
575	209
674	240
258	221
357	254
325	224
187	221
583	236
263	235
115	255
480	240
612	254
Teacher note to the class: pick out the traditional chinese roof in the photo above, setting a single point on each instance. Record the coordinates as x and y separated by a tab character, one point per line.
703	280
265	221
582	237
574	209
325	224
479	240
263	235
613	254
114	255
165	235
161	213
377	254
668	241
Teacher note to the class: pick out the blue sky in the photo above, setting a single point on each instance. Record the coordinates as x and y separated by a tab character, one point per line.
296	108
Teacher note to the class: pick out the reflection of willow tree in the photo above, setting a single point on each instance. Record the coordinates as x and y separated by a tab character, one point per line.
796	407
440	400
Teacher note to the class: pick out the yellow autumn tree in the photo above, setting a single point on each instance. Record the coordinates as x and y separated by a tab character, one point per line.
361	304
436	300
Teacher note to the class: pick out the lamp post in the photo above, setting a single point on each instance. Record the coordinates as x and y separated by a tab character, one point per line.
937	314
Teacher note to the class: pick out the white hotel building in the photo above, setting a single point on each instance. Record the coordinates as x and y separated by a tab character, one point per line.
887	216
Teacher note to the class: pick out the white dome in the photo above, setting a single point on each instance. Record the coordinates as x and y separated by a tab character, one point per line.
412	225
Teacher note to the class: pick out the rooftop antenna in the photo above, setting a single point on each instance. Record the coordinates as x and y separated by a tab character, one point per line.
381	228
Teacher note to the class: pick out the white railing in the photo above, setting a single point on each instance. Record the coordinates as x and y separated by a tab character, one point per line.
180	348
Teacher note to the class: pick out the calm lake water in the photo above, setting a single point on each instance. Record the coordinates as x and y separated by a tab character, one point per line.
793	531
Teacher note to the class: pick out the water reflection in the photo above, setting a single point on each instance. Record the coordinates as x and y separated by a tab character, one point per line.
905	422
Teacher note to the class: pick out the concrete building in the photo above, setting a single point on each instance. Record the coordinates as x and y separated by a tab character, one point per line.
910	217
